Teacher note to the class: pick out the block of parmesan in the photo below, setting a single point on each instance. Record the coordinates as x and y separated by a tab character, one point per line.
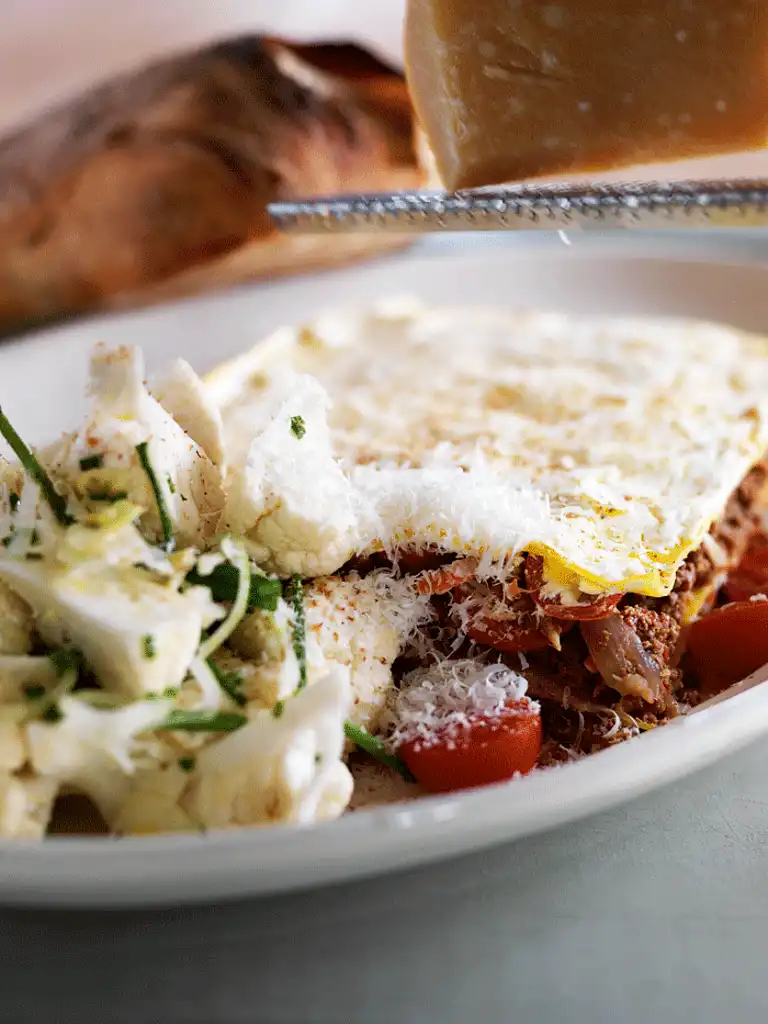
512	89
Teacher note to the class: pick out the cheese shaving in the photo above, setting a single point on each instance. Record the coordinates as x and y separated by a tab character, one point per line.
448	696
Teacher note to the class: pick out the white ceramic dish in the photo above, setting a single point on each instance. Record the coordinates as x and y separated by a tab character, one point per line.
41	380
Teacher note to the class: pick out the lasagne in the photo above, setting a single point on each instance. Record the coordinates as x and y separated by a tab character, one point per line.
389	552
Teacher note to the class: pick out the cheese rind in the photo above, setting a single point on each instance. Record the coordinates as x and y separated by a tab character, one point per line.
513	89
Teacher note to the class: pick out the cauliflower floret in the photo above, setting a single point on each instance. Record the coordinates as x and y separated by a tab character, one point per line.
92	749
265	640
13	752
181	393
363	625
152	803
278	768
139	635
18	671
25	806
291	499
124	415
15	623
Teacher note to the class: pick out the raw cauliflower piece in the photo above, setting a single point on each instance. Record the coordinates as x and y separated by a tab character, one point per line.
92	749
278	769
270	669
181	393
16	623
291	499
124	415
25	806
18	671
362	624
112	614
152	803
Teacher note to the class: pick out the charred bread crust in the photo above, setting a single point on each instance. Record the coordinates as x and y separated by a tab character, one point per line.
156	182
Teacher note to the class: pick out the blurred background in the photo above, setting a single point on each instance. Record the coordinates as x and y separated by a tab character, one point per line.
140	144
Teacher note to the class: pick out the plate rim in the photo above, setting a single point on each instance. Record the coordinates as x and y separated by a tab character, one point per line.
83	871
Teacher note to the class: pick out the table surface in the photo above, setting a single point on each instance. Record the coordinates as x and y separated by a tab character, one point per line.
655	911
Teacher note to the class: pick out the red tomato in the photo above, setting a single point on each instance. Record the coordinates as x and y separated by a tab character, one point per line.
484	751
592	606
729	644
506	635
751	575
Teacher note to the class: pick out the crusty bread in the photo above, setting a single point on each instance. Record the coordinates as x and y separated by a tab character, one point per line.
156	183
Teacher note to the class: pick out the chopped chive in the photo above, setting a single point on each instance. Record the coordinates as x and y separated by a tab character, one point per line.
65	660
111	496
52	713
203	721
142	451
186	764
171	692
148	647
375	748
278	709
13	500
298	426
230	682
91	462
295	596
35	470
318	758
264	592
171	484
33	691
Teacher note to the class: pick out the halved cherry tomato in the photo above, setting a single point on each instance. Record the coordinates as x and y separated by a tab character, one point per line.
751	575
729	644
508	635
484	751
591	606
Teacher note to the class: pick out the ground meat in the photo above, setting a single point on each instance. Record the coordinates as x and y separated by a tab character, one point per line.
659	634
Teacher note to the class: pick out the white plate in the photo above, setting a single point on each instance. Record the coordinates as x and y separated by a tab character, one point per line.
41	380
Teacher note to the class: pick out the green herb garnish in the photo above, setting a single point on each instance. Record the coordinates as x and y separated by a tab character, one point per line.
35	470
171	692
171	484
52	714
66	659
203	721
186	764
278	709
91	462
375	748
298	426
142	451
295	596
263	592
33	691
111	496
230	682
13	500
148	646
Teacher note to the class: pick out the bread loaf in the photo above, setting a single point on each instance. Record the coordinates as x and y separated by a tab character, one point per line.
156	183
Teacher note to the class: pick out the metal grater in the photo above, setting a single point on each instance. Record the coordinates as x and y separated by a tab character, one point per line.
644	205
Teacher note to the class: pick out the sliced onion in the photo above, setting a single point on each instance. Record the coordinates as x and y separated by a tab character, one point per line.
621	659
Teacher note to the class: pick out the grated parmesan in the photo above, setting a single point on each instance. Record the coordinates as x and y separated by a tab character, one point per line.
449	696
